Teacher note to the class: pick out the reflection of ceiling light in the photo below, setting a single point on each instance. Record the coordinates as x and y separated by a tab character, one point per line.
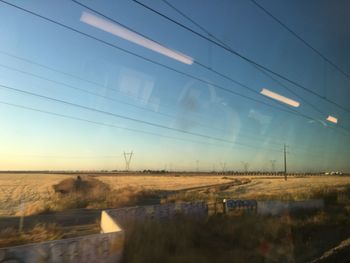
279	97
131	36
332	119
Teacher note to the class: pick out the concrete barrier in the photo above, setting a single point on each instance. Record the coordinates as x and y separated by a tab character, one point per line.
158	212
105	248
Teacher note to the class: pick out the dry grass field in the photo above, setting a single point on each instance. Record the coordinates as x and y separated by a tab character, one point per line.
293	188
248	237
35	189
162	182
28	189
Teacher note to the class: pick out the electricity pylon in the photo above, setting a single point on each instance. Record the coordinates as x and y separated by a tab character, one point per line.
273	165
246	166
127	157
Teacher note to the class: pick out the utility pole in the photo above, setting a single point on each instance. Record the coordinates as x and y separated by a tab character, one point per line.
127	157
197	162
285	162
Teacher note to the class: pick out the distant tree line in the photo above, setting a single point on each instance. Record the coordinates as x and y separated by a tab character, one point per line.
155	171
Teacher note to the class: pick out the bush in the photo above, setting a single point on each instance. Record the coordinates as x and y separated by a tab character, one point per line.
88	192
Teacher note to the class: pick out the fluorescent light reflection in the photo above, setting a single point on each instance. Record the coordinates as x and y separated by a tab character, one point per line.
131	36
332	119
278	97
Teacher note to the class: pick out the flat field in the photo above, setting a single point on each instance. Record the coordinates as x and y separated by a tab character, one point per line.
162	182
293	188
26	189
34	189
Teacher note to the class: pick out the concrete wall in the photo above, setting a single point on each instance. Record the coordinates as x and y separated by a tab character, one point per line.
104	248
157	212
231	204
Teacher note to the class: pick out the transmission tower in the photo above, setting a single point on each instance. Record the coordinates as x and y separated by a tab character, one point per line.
273	165
223	166
245	166
127	157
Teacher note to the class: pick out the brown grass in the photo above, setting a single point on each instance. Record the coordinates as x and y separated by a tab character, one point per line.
91	193
295	188
36	193
162	182
11	236
27	189
217	239
231	238
39	233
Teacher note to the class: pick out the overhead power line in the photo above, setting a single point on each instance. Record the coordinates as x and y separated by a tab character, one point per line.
62	156
258	68
99	85
88	81
329	61
240	55
97	122
195	62
158	135
106	97
120	116
80	89
79	78
208	68
106	112
158	63
121	102
229	47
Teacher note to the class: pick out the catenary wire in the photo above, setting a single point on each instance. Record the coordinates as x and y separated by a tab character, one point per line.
126	128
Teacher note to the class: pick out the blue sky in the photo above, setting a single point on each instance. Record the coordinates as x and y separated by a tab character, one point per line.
217	126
